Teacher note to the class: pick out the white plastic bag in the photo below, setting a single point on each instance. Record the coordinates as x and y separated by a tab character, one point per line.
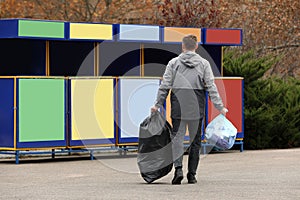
221	133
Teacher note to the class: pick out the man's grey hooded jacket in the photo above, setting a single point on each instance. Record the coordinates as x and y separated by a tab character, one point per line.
188	76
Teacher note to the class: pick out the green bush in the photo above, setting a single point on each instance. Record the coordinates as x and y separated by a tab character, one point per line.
271	105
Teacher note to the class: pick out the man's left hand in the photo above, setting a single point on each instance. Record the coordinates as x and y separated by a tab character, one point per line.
154	109
224	111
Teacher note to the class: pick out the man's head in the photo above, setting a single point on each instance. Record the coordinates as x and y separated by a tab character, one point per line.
189	43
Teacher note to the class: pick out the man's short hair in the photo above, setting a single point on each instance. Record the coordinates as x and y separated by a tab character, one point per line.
190	42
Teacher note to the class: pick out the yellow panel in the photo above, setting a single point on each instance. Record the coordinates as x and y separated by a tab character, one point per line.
92	109
91	31
104	105
172	34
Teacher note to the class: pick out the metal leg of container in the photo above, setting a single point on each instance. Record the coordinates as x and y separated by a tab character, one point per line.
242	146
92	154
17	154
53	153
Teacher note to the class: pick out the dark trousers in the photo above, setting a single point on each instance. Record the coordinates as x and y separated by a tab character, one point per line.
179	130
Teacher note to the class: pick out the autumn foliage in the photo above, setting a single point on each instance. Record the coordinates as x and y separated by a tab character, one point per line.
269	27
189	13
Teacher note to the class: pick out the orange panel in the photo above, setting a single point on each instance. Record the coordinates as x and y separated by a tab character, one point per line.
172	34
168	111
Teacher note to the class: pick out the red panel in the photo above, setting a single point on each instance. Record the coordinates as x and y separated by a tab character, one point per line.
223	36
231	94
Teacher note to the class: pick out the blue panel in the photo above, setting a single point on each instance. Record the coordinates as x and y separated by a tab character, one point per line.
9	28
7	113
139	33
136	98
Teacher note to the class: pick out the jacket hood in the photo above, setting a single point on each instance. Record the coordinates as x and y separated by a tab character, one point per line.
189	59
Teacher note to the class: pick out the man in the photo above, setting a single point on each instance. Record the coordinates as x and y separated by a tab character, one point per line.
188	76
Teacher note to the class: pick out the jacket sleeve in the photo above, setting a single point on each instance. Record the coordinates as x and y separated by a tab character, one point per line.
211	88
165	85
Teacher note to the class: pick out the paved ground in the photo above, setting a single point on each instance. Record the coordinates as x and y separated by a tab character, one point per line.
255	175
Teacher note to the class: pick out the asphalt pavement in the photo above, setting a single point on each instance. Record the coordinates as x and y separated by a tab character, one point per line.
230	175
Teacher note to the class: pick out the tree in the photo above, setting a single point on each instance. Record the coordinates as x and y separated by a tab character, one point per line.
269	27
106	11
188	13
271	105
17	9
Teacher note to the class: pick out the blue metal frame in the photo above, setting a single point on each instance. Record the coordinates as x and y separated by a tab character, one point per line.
120	140
222	44
40	144
75	143
9	29
7	112
68	151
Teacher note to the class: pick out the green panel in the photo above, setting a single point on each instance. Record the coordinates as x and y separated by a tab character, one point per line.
41	110
46	29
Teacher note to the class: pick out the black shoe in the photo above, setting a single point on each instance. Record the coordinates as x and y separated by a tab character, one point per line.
177	177
191	178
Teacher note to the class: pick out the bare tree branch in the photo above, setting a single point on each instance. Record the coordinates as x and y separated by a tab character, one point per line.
87	10
66	10
283	47
40	4
96	6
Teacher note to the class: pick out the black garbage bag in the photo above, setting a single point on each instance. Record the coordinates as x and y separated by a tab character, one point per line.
155	148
